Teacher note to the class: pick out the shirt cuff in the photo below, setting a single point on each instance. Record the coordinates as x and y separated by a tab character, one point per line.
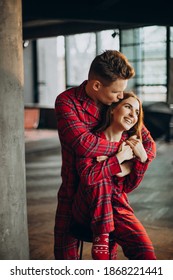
114	166
140	166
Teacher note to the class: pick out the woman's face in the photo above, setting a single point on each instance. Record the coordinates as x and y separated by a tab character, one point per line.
125	115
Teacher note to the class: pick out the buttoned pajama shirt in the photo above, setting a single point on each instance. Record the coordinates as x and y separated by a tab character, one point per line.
101	204
77	115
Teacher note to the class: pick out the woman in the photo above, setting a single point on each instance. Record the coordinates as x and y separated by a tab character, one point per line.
101	202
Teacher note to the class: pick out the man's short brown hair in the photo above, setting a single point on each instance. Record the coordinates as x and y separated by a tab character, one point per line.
110	66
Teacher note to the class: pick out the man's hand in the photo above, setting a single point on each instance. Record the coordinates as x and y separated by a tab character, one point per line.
126	168
101	158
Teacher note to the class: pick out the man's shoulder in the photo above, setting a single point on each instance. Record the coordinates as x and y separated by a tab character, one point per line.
66	94
72	93
146	135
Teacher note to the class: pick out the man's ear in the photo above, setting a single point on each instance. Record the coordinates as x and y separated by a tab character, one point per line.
96	85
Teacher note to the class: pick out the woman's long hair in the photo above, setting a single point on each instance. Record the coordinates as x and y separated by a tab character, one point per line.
107	116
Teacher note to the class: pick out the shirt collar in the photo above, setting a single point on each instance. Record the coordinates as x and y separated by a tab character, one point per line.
87	103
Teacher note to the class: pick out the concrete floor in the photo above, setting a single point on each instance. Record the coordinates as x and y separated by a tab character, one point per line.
152	201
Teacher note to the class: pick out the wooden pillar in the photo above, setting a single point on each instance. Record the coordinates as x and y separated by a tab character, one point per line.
13	213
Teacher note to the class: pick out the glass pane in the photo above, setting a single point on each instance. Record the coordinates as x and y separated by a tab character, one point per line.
80	51
171	39
147	52
171	46
152	93
47	70
127	36
129	52
150	50
61	63
154	34
171	30
107	40
154	72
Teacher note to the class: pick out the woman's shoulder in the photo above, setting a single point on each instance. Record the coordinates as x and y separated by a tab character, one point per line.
100	134
125	136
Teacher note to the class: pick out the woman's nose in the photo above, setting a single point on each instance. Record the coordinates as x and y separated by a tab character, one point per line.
132	113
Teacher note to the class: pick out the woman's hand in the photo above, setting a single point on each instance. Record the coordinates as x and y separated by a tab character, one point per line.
125	152
138	148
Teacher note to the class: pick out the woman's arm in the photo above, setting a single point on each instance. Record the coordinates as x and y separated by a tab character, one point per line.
128	178
133	180
93	170
148	143
140	165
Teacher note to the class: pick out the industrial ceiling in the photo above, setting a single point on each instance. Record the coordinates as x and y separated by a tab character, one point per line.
53	17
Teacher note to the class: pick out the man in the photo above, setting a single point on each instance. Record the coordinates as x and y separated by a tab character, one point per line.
78	111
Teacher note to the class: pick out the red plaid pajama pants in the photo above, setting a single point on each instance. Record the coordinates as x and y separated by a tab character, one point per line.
116	214
107	211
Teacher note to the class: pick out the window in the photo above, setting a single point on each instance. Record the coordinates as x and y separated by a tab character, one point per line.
64	61
61	82
170	63
146	49
81	50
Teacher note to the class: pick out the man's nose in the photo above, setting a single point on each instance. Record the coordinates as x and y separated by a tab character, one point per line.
120	95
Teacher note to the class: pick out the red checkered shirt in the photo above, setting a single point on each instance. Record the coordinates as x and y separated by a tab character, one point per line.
76	115
91	171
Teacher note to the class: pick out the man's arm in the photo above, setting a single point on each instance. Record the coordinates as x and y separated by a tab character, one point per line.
148	143
74	132
91	171
132	181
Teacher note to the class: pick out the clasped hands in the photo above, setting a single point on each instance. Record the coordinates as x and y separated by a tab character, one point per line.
131	148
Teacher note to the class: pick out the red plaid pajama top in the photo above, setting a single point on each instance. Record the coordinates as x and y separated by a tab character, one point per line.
94	199
76	115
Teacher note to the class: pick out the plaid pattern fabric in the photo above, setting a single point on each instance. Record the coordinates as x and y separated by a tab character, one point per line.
93	201
129	233
92	172
76	115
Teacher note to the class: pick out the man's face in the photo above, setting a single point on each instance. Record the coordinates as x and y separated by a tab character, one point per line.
112	93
